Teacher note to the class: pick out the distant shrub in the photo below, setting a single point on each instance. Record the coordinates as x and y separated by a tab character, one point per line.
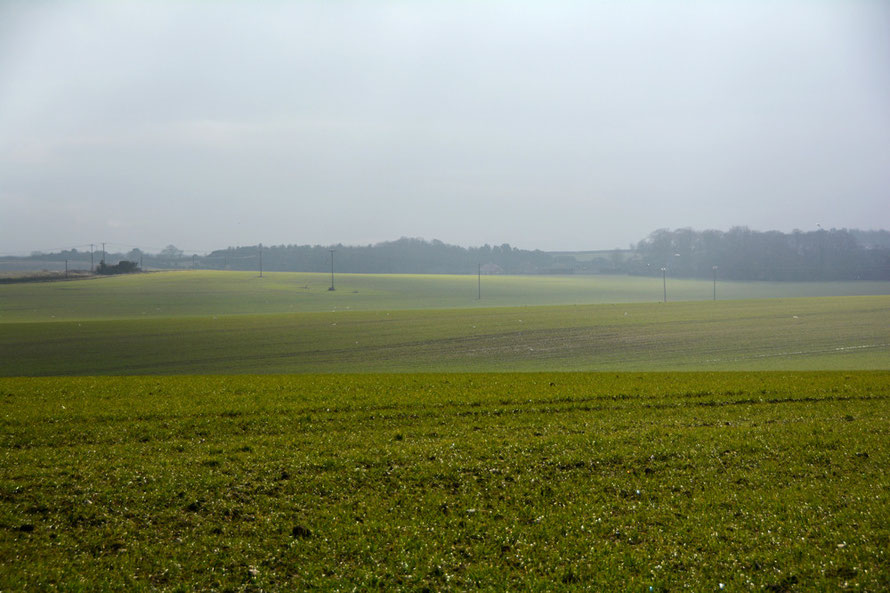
122	267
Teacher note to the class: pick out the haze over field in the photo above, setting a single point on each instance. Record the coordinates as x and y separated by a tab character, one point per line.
556	126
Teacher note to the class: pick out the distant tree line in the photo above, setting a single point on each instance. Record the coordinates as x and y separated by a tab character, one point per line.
404	256
743	254
871	239
738	254
83	260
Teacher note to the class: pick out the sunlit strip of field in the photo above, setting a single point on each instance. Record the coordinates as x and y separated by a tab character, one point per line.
602	482
801	334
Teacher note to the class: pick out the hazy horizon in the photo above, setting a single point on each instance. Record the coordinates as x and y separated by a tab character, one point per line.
555	126
123	248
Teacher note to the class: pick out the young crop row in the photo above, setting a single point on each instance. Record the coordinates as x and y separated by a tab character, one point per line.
766	481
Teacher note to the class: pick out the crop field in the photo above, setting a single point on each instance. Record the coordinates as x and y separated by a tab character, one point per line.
184	323
204	293
800	334
635	482
223	432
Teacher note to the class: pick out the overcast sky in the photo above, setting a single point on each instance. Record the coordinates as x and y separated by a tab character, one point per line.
551	125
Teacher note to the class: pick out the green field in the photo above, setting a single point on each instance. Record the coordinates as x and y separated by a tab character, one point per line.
700	482
198	294
236	323
279	458
818	333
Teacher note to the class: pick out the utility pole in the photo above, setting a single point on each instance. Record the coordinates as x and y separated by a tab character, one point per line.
332	268
715	281
66	268
664	283
103	252
261	260
479	278
91	257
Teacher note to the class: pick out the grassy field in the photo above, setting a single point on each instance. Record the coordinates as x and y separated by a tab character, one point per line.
539	482
209	323
817	333
194	294
228	477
